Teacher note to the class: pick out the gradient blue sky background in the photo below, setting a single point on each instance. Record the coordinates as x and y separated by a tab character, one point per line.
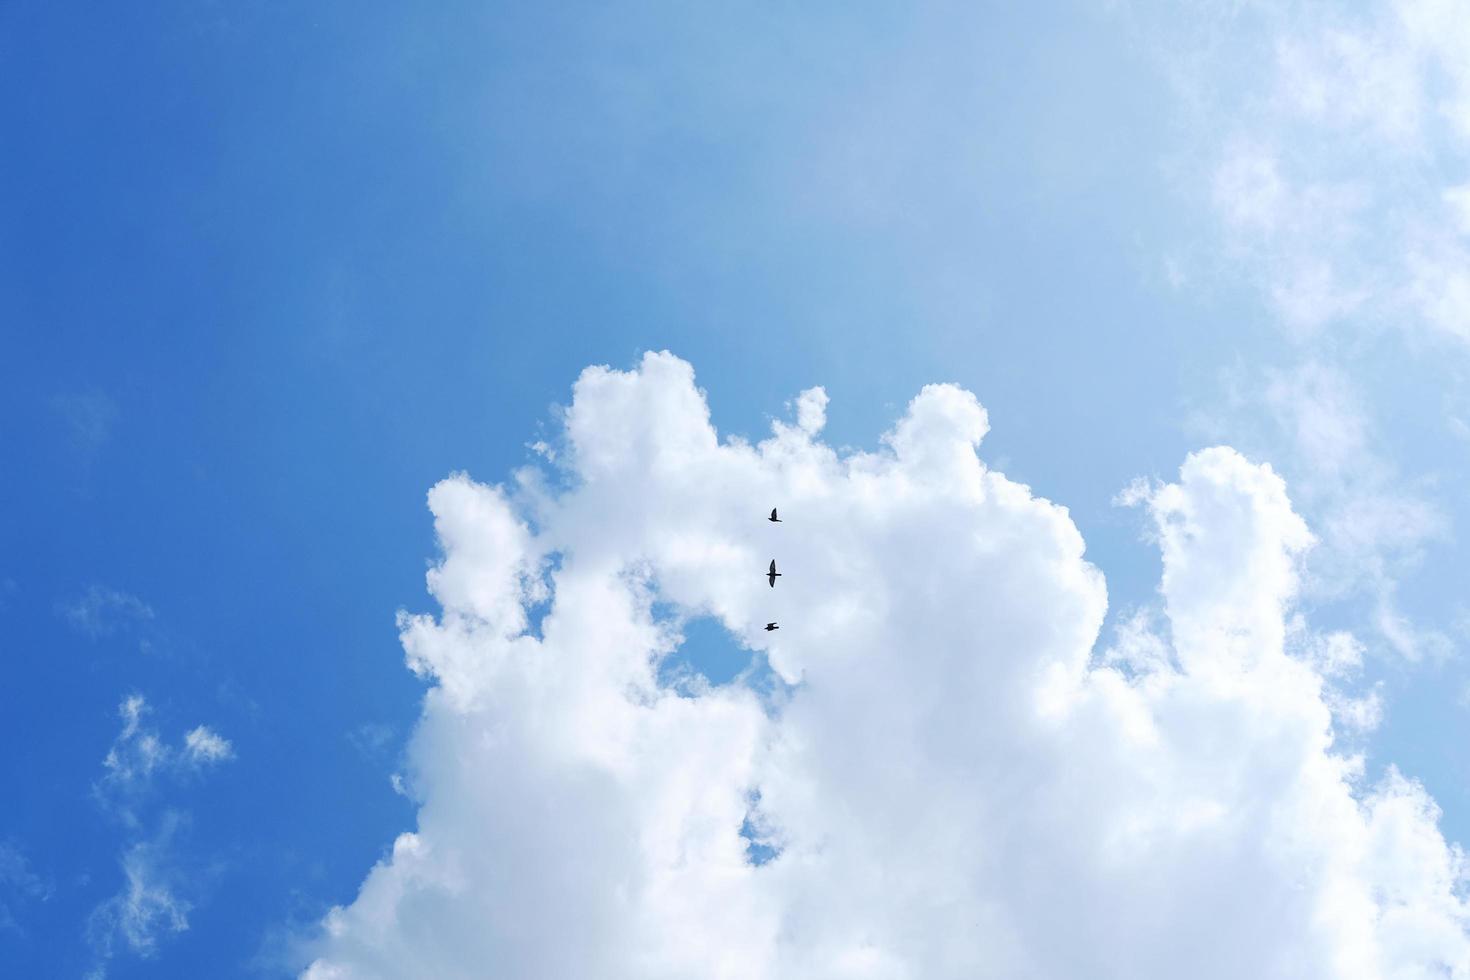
268	271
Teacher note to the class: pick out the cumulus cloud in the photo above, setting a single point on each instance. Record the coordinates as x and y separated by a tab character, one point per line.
952	780
811	411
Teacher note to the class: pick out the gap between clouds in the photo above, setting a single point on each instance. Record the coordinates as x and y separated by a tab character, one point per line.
958	783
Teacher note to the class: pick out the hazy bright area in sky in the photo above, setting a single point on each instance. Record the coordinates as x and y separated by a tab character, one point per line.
392	397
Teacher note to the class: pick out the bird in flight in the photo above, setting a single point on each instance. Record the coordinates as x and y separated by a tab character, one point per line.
773	518
771	626
772	575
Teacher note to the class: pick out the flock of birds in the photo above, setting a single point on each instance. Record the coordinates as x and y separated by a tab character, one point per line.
772	574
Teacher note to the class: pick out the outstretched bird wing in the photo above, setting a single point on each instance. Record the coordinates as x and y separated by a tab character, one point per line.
773	514
773	567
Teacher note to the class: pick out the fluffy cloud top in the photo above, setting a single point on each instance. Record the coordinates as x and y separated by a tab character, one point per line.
954	782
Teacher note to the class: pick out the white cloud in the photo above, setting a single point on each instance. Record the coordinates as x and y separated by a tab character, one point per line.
956	786
1295	234
89	417
1324	417
1326	143
1362	714
1373	525
374	740
19	885
811	411
150	905
139	754
130	764
1334	654
203	747
1337	138
102	611
146	909
1457	200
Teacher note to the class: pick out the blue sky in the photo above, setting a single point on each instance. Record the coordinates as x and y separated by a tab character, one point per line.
269	272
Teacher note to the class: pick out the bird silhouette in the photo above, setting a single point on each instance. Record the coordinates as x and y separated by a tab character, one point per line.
773	518
772	575
771	626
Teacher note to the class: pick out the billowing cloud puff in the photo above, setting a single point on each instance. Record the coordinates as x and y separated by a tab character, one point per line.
950	780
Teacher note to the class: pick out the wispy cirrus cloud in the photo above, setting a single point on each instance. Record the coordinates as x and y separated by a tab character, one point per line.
1374	524
102	611
1322	146
88	416
139	756
20	885
1328	139
148	908
154	900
